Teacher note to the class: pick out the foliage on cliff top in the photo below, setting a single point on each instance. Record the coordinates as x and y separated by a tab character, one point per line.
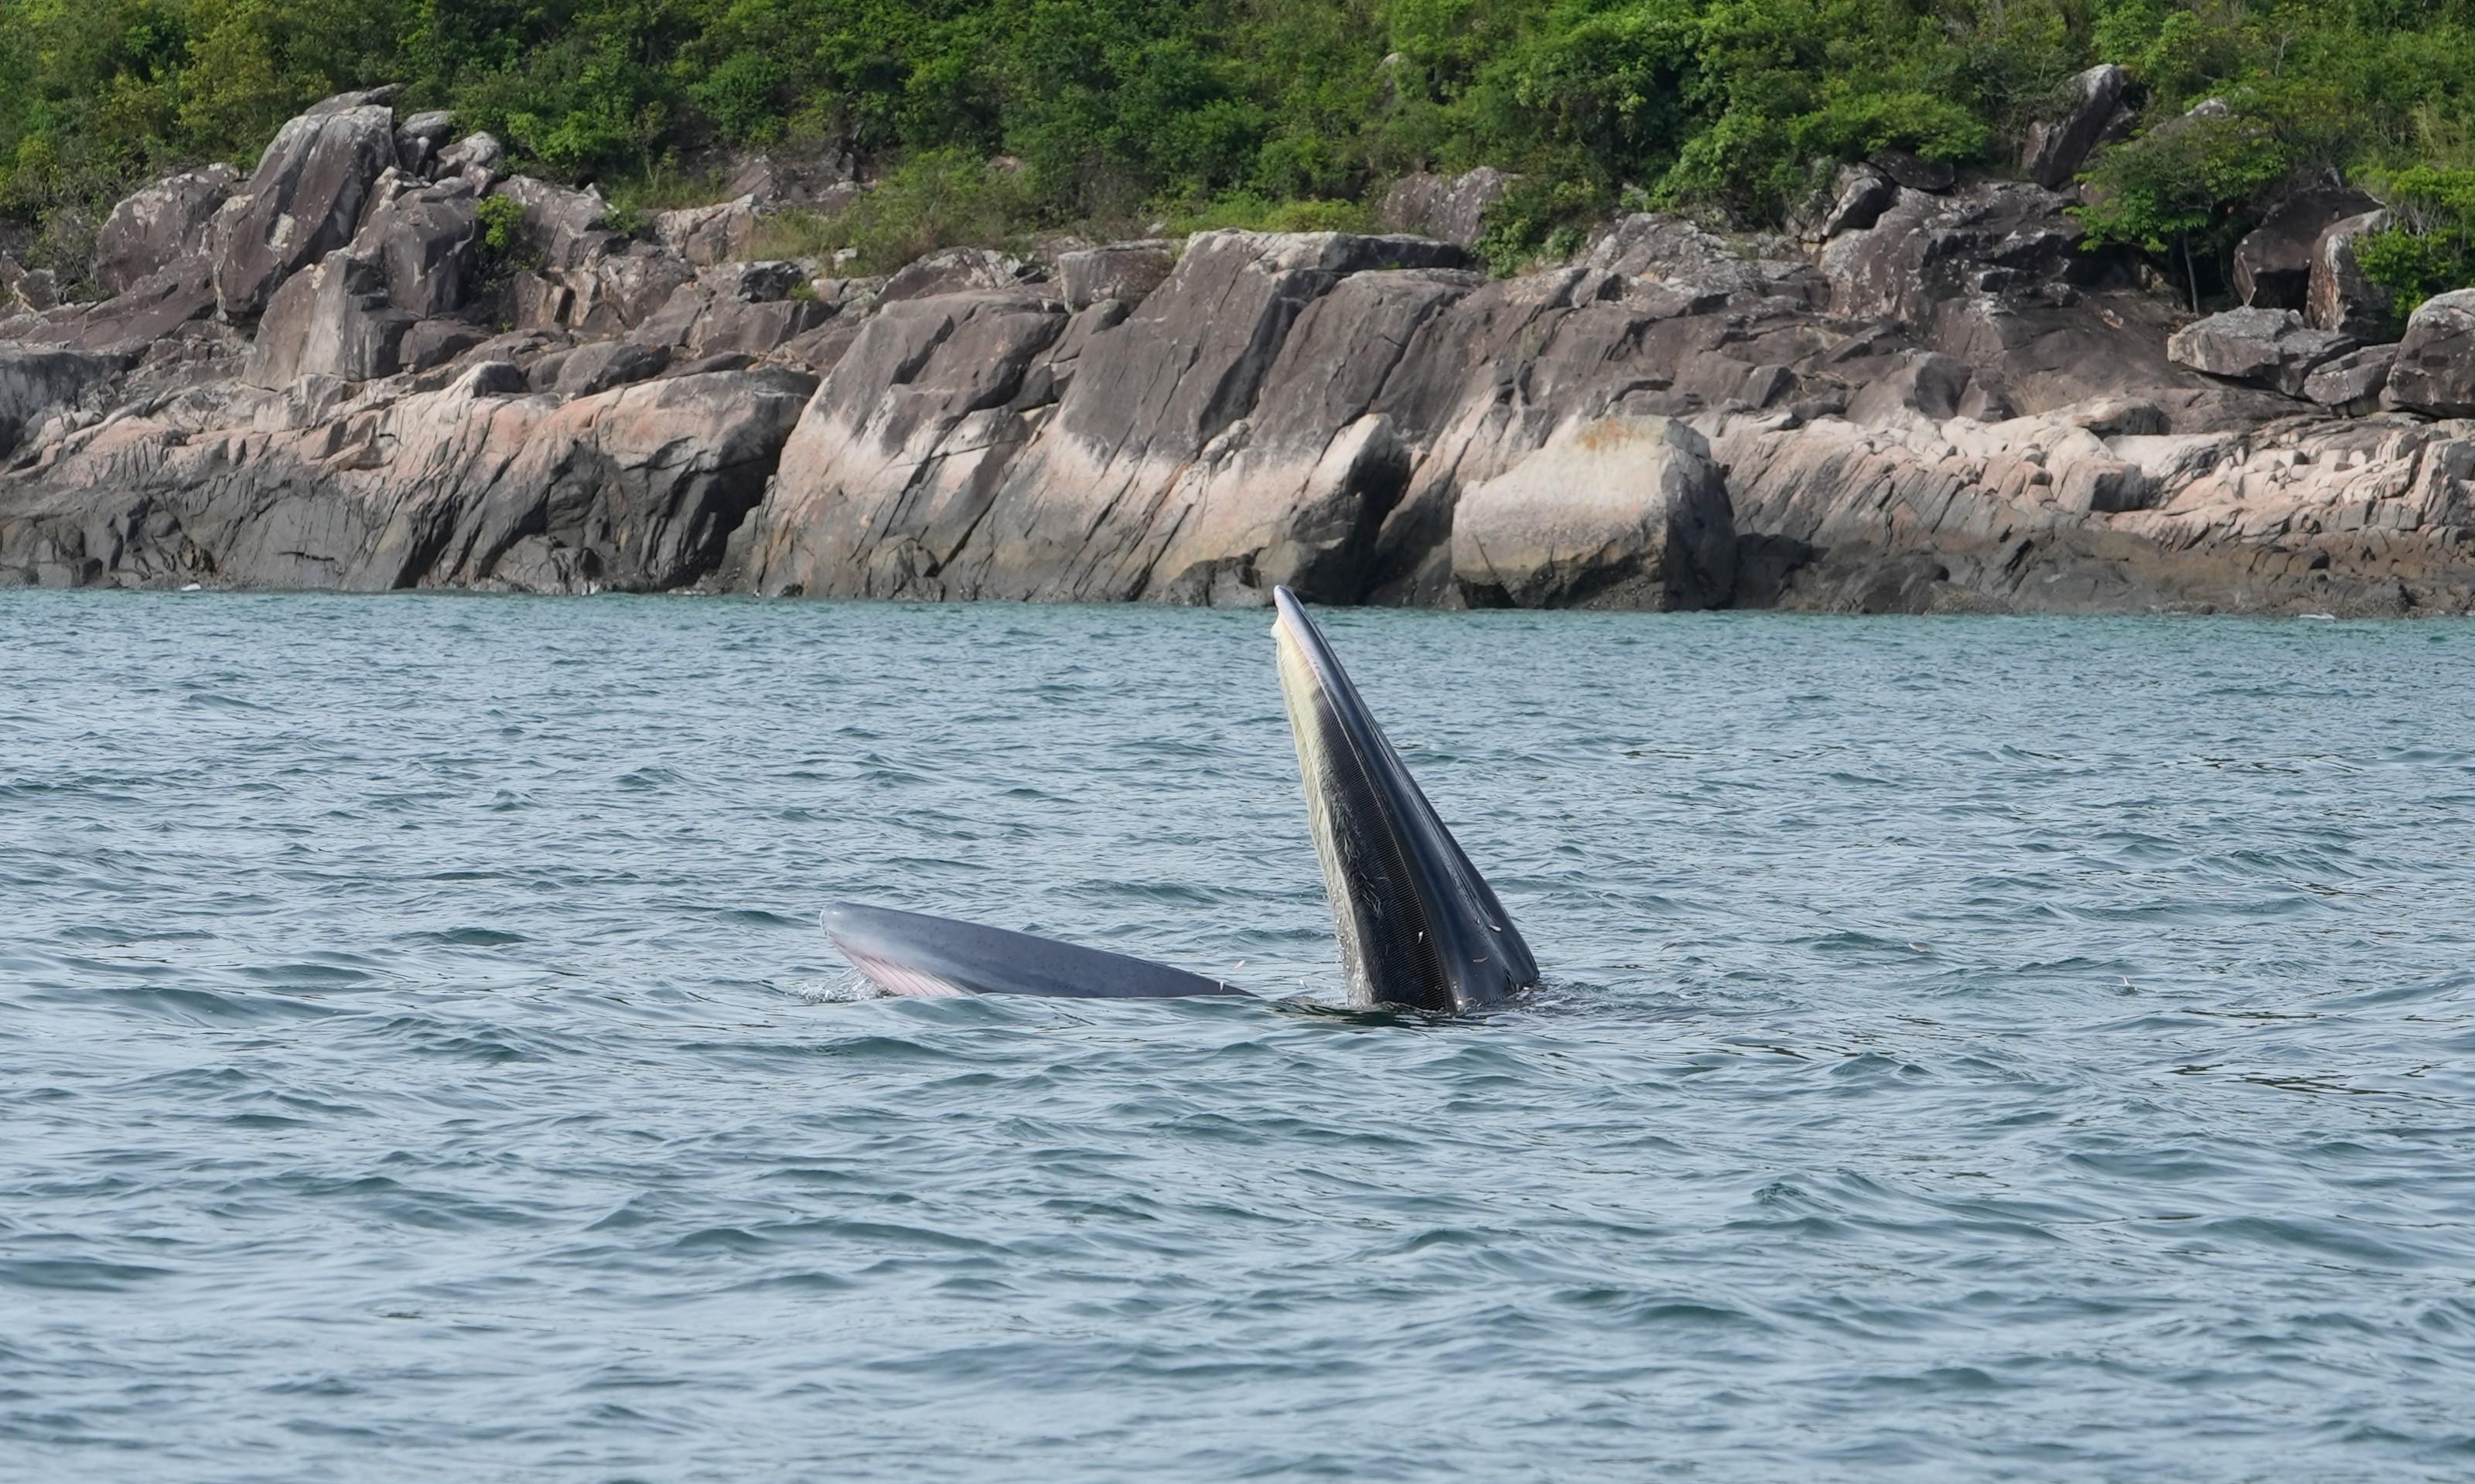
1212	109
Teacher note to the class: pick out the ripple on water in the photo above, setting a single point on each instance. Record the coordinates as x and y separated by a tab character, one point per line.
1973	1048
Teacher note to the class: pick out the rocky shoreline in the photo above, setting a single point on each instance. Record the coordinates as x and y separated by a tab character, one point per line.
1928	399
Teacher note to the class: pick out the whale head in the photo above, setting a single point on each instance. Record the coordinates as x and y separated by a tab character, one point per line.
1419	926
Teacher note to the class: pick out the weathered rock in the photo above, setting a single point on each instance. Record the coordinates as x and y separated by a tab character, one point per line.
540	303
706	236
336	320
598	368
2352	382
1864	194
39	384
749	308
418	139
427	241
436	343
2273	261
24	290
479	158
1618	512
562	226
932	465
1914	172
1453	210
303	200
470	485
159	226
1648	245
2339	298
2271	348
2057	149
2435	362
621	291
151	309
1125	271
955	271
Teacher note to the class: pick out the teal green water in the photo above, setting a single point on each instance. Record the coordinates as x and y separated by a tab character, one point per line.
1974	1050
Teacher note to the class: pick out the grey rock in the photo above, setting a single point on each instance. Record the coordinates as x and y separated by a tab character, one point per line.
478	157
2339	298
1122	271
418	139
336	320
427	241
436	343
2058	148
39	384
598	368
1914	172
706	236
2435	362
152	309
2273	261
1614	512
2271	348
954	270
563	227
303	200
1453	210
2352	382
1864	194
159	226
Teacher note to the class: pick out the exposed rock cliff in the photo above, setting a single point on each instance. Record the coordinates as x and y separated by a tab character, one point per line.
320	376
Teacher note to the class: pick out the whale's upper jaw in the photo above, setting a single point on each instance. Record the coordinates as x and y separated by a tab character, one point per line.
1418	925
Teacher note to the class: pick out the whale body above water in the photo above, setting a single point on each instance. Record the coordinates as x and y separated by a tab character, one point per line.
1419	926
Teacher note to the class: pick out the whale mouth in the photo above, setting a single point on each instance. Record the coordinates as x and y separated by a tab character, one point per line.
915	956
1419	926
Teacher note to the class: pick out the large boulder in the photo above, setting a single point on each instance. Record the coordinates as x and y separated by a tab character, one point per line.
2057	148
2353	381
418	139
2273	261
478	157
618	291
159	226
336	320
2339	298
1612	513
2435	362
1453	210
427	241
562	226
706	236
303	200
2271	348
1123	271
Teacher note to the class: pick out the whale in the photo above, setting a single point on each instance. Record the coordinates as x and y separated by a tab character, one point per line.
1418	928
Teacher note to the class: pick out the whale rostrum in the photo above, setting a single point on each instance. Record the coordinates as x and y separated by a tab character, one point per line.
1419	928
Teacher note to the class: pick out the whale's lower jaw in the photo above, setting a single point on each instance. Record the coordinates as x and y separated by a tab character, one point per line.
915	955
1419	926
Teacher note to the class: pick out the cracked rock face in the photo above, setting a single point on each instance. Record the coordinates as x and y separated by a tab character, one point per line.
1937	403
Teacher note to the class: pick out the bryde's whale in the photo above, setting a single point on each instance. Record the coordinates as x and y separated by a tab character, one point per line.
1419	928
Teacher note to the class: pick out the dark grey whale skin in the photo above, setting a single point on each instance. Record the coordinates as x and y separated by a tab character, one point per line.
1419	928
915	954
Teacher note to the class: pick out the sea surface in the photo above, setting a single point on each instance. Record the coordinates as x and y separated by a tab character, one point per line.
1975	1049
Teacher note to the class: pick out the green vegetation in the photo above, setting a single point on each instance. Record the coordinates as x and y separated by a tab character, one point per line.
1276	113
